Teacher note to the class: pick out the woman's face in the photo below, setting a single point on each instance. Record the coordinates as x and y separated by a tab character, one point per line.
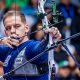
40	34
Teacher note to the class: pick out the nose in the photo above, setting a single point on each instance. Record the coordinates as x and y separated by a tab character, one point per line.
13	29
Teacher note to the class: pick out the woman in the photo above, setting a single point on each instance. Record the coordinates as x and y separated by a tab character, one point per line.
38	35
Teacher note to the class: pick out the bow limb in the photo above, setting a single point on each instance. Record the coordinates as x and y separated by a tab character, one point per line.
45	24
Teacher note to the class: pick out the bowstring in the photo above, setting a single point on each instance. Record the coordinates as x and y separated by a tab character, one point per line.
15	23
17	47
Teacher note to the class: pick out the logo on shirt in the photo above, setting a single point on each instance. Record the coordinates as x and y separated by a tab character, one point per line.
18	60
7	60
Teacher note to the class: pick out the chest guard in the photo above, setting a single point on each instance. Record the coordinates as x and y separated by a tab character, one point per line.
28	69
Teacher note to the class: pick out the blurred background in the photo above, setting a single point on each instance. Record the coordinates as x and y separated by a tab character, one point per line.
66	68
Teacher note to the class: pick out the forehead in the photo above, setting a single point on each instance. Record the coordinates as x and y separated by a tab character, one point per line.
12	20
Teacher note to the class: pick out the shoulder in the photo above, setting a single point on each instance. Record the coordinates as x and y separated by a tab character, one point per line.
4	47
30	45
32	42
4	50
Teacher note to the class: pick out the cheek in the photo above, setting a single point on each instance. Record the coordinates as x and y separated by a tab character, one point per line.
7	33
20	31
39	34
49	17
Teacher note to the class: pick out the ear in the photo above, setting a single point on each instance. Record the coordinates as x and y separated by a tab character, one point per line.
26	28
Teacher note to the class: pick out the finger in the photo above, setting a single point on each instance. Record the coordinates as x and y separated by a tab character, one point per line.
54	31
57	33
8	44
58	36
15	44
49	30
14	40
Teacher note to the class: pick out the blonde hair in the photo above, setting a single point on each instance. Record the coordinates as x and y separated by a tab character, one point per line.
16	13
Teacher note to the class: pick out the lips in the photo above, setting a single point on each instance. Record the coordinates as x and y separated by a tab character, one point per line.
17	38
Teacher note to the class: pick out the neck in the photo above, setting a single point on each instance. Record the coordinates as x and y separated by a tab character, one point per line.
24	39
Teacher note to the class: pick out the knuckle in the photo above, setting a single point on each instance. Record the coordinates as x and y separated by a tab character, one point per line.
56	28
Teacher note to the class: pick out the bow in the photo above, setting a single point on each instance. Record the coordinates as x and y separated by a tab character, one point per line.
41	10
